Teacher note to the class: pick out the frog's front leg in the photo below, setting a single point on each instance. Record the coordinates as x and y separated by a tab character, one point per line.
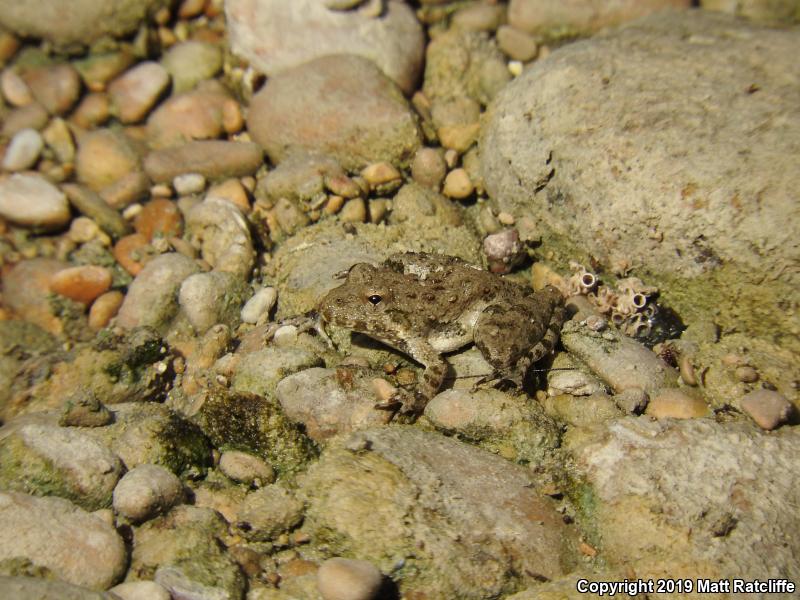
432	378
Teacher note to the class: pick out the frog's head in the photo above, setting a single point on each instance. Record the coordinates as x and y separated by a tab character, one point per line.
360	301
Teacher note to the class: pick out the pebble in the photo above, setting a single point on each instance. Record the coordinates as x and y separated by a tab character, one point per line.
146	491
140	590
189	183
83	409
503	250
207	299
211	158
104	309
268	512
190	62
32	116
129	252
53	533
14	88
354	211
458	185
126	190
26	290
93	206
32	201
104	157
231	190
98	69
342	185
746	374
220	231
152	297
246	468
348	579
136	92
769	409
82	284
632	401
58	137
24	150
57	88
479	16
428	168
676	404
257	308
93	110
203	114
517	44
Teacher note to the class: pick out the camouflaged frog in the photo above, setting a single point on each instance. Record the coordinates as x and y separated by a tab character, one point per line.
425	304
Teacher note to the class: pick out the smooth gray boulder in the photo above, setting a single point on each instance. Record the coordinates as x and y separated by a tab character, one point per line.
667	147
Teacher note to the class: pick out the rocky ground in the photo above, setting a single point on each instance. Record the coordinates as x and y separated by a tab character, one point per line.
180	181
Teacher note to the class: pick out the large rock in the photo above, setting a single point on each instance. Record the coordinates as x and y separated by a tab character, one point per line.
666	146
785	11
84	22
341	105
557	18
74	545
694	498
466	523
275	35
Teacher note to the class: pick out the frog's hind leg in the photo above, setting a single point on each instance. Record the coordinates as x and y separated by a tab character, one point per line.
432	377
497	337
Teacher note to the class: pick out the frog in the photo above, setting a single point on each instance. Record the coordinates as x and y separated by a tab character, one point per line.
425	305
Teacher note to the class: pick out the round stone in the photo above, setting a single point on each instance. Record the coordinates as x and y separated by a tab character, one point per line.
348	579
32	201
23	151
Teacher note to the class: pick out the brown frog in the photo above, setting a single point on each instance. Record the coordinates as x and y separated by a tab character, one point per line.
426	304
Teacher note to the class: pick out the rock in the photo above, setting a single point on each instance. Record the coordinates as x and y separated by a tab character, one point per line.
479	16
258	307
259	372
331	401
98	69
273	36
185	551
104	157
57	87
193	115
257	425
221	233
32	116
47	460
190	62
650	485
301	177
32	201
268	512
82	284
86	21
583	411
23	151
146	491
348	579
464	64
134	93
212	159
359	116
553	20
501	423
159	218
428	168
211	298
618	360
149	433
152	297
14	88
676	404
53	533
33	588
782	11
94	110
716	224
188	184
437	484
767	408
516	44
58	137
93	206
140	590
84	410
246	468
132	252
457	185
105	308
25	291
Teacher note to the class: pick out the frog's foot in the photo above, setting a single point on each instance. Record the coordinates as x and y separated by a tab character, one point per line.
310	321
404	402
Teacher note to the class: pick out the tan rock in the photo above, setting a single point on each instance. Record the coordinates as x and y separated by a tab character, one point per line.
676	404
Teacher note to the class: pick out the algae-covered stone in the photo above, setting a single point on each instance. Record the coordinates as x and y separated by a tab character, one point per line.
42	459
259	372
149	433
733	487
598	157
398	495
269	512
256	424
211	298
42	589
513	426
188	541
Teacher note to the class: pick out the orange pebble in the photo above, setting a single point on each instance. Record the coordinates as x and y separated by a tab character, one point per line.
159	216
82	284
125	251
104	308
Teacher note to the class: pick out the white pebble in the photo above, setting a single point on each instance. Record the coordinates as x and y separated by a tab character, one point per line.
286	335
348	579
257	308
14	88
23	151
140	590
145	491
32	201
246	468
189	183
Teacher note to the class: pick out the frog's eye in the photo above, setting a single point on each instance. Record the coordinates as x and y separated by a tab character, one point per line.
375	299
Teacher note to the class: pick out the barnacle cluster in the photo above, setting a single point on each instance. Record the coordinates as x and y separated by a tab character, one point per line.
630	305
